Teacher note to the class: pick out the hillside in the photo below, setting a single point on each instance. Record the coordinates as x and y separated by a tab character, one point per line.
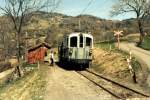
58	24
54	25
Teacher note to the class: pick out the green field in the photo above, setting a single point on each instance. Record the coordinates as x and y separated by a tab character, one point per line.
146	43
106	45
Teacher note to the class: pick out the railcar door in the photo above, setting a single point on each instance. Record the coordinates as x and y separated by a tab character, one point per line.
88	48
73	47
80	52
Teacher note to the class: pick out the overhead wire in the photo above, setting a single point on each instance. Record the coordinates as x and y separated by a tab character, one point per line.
90	2
97	7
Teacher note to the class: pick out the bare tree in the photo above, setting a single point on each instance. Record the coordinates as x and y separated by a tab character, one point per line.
18	11
140	7
4	37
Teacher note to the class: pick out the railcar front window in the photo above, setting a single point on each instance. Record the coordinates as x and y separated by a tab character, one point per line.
81	41
88	41
73	42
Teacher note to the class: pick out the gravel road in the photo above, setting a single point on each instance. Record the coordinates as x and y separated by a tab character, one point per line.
69	85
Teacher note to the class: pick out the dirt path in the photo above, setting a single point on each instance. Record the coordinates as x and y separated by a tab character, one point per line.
142	55
68	85
31	86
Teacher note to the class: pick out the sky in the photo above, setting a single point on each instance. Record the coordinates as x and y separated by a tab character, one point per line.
99	8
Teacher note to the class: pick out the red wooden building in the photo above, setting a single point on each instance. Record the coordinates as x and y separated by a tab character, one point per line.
37	53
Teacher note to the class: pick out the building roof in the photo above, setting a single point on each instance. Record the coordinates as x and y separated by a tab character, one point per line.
39	45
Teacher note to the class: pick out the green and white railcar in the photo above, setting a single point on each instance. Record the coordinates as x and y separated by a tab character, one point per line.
76	48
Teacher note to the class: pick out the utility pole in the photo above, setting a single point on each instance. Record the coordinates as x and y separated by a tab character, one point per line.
79	25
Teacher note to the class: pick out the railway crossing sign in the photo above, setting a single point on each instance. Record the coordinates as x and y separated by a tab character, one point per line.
118	34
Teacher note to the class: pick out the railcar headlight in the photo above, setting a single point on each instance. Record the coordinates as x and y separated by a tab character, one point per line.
90	52
70	51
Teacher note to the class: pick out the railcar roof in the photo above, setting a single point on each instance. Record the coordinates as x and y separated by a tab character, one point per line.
78	33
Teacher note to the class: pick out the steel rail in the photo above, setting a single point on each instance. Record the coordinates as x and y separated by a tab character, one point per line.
121	85
110	92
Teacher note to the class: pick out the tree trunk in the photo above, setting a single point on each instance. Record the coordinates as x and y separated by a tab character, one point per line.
18	44
141	32
18	54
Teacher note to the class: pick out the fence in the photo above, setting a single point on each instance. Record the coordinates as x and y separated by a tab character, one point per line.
7	70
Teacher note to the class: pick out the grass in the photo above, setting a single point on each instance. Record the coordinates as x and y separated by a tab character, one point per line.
106	45
18	82
34	83
146	44
29	65
135	65
38	87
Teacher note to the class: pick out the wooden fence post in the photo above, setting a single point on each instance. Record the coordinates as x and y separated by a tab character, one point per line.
38	65
110	48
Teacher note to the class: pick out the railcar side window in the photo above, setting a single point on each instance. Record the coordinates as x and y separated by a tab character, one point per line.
73	42
88	41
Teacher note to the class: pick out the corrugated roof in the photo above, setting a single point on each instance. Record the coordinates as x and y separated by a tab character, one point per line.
39	45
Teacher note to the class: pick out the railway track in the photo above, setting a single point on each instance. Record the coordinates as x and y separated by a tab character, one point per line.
115	89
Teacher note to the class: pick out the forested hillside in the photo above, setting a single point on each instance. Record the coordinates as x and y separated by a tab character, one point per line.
53	26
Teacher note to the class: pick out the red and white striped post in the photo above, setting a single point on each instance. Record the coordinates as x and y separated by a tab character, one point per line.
132	71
